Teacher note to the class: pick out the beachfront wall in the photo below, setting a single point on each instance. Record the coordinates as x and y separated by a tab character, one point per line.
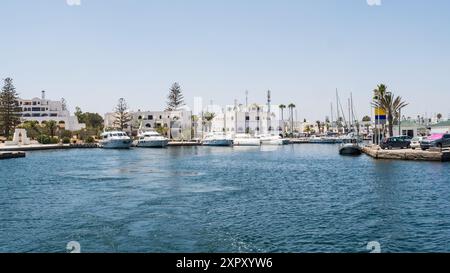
179	122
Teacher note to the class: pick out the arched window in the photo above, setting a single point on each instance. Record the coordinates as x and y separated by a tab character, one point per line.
148	125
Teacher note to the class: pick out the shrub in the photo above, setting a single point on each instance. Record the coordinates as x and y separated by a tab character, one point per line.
66	140
45	139
90	140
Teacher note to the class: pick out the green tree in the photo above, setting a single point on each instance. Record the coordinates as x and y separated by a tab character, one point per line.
10	112
32	127
175	98
391	104
79	114
439	117
122	117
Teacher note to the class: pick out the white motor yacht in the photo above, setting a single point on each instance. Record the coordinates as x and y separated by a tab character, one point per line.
115	140
151	139
217	139
273	140
246	140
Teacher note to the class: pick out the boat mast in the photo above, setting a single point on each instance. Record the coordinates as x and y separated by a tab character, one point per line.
332	120
269	100
235	117
337	109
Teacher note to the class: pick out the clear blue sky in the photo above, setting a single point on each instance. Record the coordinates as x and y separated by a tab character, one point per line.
101	50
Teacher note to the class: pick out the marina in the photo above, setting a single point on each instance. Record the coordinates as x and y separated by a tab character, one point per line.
288	198
202	128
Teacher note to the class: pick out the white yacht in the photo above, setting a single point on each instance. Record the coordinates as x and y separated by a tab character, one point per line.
115	140
246	140
217	139
273	140
151	139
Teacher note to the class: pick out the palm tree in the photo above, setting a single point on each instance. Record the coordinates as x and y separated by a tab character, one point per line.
319	126
389	103
282	107
291	108
51	126
207	120
366	121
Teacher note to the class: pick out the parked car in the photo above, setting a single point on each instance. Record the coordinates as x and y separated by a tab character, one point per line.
415	142
396	142
435	140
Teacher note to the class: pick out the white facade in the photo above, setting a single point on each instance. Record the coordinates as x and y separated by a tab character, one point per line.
179	122
253	119
43	110
198	106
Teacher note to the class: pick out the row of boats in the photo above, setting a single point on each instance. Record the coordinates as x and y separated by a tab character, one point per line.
152	139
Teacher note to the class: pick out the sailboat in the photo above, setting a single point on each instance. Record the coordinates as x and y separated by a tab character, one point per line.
350	143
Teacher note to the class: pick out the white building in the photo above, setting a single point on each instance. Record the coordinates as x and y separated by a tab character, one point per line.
179	122
237	119
44	110
198	106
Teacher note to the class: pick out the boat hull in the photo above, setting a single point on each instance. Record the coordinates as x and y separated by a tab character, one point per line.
246	142
152	143
218	142
350	150
275	142
116	144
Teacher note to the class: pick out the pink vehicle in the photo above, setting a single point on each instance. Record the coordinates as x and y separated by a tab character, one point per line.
436	140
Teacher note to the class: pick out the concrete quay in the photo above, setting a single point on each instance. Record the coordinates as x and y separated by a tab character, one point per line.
408	154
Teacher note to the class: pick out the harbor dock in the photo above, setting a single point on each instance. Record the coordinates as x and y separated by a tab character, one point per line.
408	154
9	155
40	147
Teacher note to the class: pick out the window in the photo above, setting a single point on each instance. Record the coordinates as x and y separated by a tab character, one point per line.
148	125
160	117
150	117
53	115
257	118
34	103
36	109
247	118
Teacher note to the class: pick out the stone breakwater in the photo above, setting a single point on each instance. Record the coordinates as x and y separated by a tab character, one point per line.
9	155
408	154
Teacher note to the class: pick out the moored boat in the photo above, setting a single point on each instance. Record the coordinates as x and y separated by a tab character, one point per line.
350	146
273	140
246	140
217	139
115	140
151	139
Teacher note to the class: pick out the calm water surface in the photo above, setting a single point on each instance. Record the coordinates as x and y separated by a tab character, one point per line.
303	198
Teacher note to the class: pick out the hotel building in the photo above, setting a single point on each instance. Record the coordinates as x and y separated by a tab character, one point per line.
43	110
